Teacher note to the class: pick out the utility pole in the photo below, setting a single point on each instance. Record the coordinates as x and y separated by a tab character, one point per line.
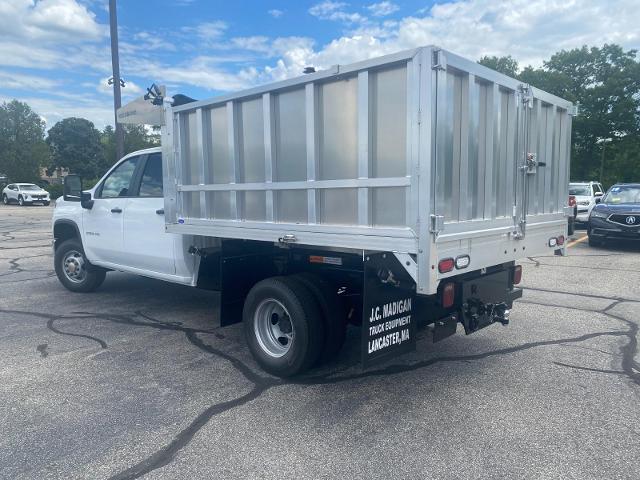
604	142
115	64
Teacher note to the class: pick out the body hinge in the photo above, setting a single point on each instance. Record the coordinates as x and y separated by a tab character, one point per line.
437	224
438	62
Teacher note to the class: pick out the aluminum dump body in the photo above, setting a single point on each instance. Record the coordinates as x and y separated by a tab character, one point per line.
421	153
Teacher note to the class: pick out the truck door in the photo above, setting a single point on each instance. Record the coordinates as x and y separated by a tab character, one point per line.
103	241
146	244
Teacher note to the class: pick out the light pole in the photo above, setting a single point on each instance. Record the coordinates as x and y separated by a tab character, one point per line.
117	81
604	142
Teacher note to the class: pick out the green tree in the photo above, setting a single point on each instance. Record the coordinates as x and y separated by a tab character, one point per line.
136	137
22	147
507	65
75	144
605	81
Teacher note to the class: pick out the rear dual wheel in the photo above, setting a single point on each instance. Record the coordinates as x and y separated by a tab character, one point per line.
282	326
292	323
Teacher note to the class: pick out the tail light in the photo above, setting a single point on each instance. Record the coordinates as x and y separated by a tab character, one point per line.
462	261
560	240
517	274
446	265
572	200
448	295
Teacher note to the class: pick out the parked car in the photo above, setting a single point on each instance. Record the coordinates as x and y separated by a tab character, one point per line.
572	218
616	215
24	194
585	194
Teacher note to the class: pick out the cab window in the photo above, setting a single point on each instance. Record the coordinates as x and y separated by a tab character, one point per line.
118	183
151	182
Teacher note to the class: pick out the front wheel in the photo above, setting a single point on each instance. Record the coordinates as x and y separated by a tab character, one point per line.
46	204
5	199
21	201
282	326
74	270
593	242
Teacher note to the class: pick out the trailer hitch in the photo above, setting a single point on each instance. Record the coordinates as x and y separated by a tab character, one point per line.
477	315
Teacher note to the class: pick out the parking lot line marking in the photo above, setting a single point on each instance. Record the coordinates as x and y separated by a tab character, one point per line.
580	240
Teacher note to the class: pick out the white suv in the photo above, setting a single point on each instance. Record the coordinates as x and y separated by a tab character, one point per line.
586	194
24	194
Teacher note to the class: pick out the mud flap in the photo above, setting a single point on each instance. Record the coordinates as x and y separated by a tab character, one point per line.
388	322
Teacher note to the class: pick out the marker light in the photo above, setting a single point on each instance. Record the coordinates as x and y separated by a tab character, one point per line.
560	240
462	261
517	274
445	265
448	295
553	242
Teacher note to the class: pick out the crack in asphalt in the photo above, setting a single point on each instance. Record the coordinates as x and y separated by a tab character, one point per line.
261	384
587	369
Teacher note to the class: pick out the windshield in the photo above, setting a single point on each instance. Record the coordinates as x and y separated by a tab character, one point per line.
29	187
583	190
623	194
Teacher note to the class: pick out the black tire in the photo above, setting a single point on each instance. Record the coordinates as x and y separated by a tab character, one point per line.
46	204
20	201
595	242
303	311
5	199
334	316
572	227
93	276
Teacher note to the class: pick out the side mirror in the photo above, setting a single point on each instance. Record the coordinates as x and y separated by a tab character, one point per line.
72	191
599	194
86	201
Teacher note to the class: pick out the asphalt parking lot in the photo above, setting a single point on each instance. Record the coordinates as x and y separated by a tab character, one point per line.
132	381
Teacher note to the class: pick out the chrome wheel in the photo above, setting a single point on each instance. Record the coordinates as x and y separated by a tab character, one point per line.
73	266
5	199
21	201
273	327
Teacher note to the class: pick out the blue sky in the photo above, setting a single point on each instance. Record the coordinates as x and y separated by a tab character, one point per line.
54	54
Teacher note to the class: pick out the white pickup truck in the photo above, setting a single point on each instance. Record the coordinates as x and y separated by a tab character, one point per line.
389	193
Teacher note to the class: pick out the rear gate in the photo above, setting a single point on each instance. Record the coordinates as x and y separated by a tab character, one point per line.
501	165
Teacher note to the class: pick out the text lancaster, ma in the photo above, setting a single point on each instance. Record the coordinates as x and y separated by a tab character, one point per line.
393	337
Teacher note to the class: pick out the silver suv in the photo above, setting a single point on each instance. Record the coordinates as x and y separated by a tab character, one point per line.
586	194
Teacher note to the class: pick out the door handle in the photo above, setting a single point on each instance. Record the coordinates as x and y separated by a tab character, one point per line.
116	210
160	211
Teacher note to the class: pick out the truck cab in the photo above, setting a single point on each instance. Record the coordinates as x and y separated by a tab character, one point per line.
119	224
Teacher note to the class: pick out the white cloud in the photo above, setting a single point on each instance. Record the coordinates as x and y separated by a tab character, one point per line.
382	9
211	58
18	81
65	21
275	13
130	89
208	30
335	11
529	30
